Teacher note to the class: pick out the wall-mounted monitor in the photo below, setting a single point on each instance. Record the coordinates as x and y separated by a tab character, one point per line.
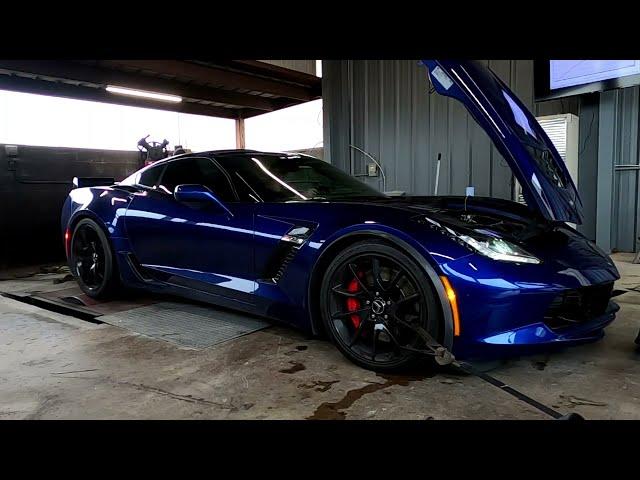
562	78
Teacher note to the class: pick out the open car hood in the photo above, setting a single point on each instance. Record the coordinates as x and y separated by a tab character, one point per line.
546	183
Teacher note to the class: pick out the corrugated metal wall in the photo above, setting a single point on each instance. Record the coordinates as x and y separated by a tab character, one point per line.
383	107
624	161
588	110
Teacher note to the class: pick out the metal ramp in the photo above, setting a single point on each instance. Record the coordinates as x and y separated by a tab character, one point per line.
184	324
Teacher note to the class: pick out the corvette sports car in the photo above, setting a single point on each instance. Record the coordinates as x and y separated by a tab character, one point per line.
290	237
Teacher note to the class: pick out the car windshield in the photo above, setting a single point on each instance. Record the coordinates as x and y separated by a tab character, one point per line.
282	178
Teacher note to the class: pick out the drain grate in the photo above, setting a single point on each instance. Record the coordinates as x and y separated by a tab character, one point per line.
187	325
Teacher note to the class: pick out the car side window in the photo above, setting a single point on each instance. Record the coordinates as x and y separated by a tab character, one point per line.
199	171
149	177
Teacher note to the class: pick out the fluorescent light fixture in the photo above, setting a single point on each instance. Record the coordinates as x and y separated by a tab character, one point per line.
141	93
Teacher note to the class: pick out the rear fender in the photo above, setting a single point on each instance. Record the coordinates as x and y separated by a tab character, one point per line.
105	205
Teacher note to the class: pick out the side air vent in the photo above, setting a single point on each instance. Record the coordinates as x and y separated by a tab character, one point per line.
138	269
285	263
287	248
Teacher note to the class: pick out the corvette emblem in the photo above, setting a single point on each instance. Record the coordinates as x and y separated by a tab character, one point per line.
378	306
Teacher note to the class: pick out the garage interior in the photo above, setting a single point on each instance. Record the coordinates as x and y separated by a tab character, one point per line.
66	356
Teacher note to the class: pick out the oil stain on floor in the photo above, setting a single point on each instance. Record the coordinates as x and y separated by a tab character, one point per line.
335	410
319	385
295	367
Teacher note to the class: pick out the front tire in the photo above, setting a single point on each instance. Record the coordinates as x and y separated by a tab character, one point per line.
92	262
371	298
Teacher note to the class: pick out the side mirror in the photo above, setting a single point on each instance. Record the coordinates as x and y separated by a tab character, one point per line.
199	194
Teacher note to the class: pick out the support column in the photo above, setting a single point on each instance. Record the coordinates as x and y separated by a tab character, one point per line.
606	162
240	139
336	107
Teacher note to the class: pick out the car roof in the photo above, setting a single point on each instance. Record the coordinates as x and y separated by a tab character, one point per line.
224	153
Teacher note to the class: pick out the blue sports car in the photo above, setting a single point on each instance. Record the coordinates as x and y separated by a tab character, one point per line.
292	238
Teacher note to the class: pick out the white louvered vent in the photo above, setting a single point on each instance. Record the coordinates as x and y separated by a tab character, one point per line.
556	129
562	130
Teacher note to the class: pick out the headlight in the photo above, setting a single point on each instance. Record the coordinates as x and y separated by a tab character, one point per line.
499	249
492	247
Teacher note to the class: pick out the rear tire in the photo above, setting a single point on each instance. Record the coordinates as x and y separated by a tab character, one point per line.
92	262
371	296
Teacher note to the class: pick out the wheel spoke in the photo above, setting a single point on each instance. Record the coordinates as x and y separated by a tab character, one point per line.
338	315
394	281
394	340
377	279
413	328
410	298
399	321
374	343
357	333
91	274
338	290
353	269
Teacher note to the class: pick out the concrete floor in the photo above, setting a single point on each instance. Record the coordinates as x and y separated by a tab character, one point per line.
57	367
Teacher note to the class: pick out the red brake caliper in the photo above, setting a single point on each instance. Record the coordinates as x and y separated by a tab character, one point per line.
353	304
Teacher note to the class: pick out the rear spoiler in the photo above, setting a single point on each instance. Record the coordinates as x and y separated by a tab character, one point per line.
80	182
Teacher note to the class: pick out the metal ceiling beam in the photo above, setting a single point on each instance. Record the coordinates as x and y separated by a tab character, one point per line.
216	76
102	77
264	68
43	87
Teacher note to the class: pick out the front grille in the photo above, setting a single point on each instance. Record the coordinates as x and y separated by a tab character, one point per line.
576	306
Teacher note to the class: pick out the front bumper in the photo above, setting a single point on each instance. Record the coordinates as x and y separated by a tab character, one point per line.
516	309
533	337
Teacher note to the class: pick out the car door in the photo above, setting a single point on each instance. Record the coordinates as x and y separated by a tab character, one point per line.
200	246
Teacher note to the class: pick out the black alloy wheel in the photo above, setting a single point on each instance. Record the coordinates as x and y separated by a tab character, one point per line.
91	260
373	298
